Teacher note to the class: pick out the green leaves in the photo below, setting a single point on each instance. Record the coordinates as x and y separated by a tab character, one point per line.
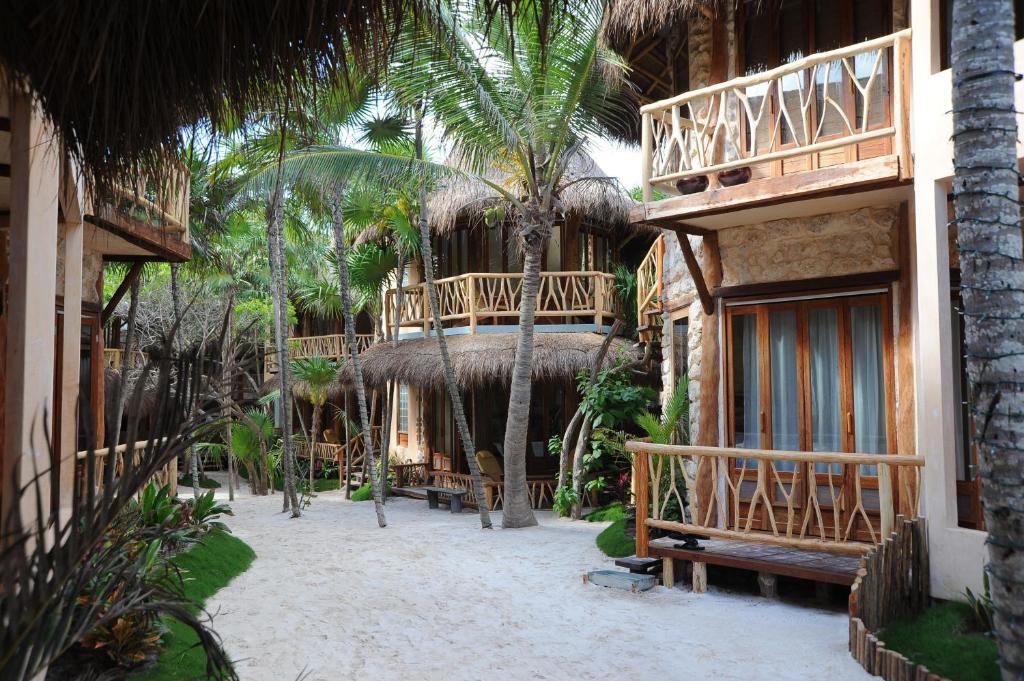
613	399
317	373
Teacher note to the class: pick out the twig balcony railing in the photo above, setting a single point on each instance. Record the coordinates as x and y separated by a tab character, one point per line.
159	201
833	502
815	107
332	346
472	300
649	284
168	475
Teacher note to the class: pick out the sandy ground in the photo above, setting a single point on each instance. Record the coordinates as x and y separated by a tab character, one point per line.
433	597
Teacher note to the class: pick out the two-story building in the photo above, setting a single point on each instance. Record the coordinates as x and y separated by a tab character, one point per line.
55	235
797	158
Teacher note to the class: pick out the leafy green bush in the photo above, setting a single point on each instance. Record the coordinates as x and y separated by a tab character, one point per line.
204	511
565	498
364	493
613	511
614	542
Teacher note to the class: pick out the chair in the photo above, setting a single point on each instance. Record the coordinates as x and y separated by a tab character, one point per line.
489	465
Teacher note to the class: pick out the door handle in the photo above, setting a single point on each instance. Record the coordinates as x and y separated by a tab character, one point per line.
849	423
764	423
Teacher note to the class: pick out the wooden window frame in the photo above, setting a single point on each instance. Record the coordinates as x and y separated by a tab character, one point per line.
843	300
852	152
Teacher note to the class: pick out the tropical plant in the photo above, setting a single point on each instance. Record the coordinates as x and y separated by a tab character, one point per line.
566	498
613	399
673	425
317	373
626	291
981	606
205	510
986	200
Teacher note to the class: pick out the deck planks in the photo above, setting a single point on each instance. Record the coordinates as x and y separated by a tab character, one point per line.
777	560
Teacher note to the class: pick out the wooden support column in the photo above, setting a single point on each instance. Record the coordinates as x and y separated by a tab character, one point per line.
700	577
710	379
71	354
32	286
695	272
668	574
768	584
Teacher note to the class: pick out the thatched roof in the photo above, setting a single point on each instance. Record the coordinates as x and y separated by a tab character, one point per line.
627	21
120	78
462	202
485	359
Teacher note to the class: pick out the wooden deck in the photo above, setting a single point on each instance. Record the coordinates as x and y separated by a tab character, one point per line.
777	560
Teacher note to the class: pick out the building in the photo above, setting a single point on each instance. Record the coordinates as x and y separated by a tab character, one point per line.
52	355
797	157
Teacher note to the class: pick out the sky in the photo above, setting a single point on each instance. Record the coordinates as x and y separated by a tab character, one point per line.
618	160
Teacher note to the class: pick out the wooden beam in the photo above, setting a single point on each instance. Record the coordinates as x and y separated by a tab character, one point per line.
803	285
698	277
129	279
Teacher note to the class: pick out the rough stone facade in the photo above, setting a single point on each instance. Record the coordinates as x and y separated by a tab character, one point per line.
92	273
830	245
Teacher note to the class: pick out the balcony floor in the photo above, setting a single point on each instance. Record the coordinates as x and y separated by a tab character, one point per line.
848	186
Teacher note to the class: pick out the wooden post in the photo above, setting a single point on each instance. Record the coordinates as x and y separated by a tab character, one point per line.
641	478
885	500
901	104
647	156
700	577
668	575
71	352
598	300
471	293
768	585
425	309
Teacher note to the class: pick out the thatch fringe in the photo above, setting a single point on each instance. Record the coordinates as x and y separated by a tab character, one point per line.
485	359
629	20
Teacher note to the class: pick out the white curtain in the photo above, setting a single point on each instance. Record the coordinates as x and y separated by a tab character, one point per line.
745	326
826	433
785	414
868	382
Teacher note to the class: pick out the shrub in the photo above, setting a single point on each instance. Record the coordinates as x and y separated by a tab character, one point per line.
565	498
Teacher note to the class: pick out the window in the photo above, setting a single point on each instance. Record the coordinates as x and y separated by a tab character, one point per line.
403	408
680	348
811	375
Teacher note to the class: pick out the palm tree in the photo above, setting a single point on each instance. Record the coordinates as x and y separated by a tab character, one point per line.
522	97
986	201
316	374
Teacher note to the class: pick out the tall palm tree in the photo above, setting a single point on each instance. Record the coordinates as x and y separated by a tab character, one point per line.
317	374
986	201
522	97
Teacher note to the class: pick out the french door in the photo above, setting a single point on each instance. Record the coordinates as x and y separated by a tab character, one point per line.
813	375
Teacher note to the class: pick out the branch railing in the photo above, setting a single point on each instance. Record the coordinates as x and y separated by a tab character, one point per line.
822	102
494	298
161	201
332	346
826	501
168	475
649	288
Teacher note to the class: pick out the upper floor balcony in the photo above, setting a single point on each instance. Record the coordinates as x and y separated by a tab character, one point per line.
835	122
330	346
485	302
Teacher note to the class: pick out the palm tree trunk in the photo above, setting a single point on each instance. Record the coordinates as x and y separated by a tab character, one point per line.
348	453
989	238
176	306
357	366
385	432
317	413
458	410
227	353
517	511
577	466
278	285
122	391
567	439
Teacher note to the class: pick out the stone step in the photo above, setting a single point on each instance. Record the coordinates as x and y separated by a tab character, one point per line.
626	581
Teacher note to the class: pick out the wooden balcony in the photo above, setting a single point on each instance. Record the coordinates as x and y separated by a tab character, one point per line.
332	346
471	301
831	123
151	214
649	293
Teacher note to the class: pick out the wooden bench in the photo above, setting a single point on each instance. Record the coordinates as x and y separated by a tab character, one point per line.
434	495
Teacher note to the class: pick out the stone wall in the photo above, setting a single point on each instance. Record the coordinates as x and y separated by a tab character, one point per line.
92	273
836	244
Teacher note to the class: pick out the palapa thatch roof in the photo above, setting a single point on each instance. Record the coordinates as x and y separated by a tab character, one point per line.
461	202
120	78
485	359
627	21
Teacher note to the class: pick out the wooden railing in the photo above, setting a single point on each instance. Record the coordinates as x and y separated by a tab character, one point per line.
168	475
823	102
540	489
114	358
162	202
835	502
649	289
332	346
335	452
488	298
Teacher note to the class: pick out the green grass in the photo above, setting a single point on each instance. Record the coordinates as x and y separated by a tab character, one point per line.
204	482
207	568
613	511
614	541
941	638
364	493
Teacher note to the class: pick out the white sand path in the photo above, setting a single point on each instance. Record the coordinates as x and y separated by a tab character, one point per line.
433	597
